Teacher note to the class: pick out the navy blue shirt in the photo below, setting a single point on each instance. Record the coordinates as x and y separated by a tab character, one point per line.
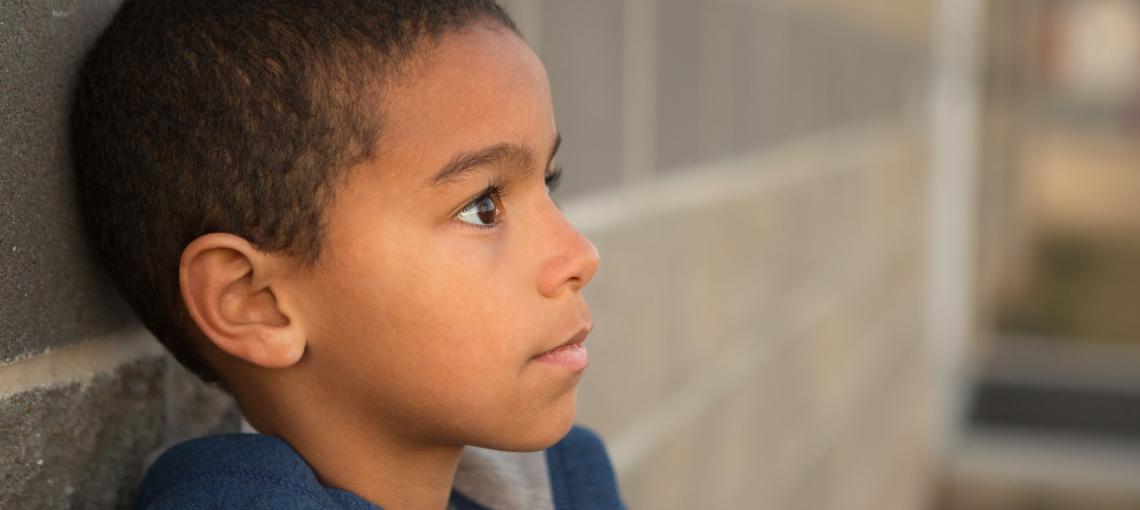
255	471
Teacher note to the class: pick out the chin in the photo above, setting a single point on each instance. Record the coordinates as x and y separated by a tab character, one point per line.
536	434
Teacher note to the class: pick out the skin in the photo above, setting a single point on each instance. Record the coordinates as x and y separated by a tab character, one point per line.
416	332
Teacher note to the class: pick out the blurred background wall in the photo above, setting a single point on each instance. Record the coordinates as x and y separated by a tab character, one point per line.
1052	414
878	254
757	176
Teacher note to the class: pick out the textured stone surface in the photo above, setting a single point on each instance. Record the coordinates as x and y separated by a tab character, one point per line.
51	291
85	445
81	445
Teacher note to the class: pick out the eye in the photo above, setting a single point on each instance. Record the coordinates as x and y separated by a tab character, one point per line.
483	211
553	178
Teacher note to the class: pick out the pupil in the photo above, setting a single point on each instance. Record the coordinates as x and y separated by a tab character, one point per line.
486	210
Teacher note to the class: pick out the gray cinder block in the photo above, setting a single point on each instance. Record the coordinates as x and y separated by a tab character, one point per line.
81	445
52	292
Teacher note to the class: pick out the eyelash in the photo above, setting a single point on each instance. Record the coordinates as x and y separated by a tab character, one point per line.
497	192
553	178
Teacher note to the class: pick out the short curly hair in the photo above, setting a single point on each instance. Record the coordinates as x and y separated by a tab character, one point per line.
199	116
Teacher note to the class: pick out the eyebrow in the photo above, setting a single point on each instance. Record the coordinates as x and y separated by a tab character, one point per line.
518	156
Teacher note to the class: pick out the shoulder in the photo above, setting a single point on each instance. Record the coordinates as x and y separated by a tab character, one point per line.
240	471
581	474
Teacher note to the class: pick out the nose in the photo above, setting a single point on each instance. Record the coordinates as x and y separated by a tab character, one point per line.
571	261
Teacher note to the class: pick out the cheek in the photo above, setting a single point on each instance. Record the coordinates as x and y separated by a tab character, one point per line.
448	299
445	302
442	331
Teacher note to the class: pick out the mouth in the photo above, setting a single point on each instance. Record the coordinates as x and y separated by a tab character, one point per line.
570	355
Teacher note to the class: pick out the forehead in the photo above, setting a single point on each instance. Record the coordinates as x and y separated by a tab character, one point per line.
472	89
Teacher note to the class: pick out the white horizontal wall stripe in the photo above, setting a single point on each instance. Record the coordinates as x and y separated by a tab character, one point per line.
77	363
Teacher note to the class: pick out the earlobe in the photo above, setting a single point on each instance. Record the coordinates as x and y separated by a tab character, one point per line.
231	292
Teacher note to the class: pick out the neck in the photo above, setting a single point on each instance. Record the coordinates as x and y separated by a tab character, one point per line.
392	476
361	456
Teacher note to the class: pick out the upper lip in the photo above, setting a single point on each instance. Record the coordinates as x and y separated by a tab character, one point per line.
578	338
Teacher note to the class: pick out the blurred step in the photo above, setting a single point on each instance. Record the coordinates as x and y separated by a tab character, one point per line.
1060	386
1052	425
1019	469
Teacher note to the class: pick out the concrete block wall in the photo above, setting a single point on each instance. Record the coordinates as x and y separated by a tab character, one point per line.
755	175
753	172
758	330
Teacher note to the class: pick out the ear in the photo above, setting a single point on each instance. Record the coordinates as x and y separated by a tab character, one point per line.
231	291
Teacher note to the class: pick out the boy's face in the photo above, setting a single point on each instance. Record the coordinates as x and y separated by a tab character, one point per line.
419	317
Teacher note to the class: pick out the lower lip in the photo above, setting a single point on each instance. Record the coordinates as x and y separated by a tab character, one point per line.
572	357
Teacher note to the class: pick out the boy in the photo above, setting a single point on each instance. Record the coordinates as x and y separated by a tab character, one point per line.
339	211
